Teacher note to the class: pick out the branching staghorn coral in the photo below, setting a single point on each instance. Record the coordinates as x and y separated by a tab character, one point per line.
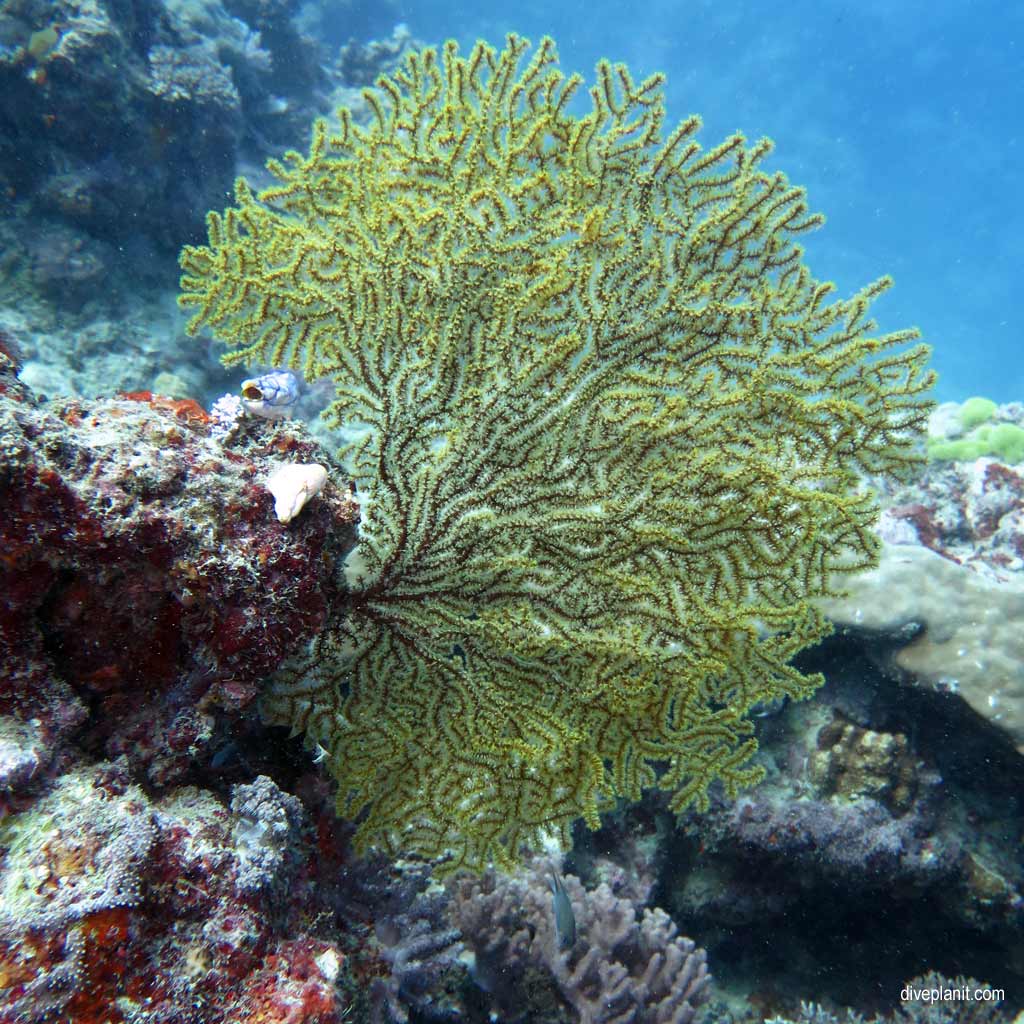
610	435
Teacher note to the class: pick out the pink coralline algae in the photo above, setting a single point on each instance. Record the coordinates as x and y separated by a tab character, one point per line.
144	578
146	591
119	908
969	512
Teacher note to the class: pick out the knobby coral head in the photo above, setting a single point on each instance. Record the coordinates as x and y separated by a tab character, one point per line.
610	427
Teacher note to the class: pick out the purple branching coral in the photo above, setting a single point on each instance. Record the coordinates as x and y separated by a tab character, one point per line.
400	915
621	969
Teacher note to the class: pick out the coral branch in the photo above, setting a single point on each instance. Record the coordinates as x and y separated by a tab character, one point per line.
609	437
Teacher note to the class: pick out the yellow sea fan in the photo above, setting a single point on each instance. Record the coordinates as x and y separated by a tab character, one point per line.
611	435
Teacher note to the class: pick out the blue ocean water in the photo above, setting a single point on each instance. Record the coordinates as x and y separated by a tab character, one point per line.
903	120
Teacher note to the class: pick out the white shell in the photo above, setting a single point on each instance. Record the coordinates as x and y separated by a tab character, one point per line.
293	485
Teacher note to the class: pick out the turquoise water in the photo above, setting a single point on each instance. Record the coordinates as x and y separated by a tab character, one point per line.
903	120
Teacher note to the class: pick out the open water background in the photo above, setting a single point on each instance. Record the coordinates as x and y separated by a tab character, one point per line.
903	118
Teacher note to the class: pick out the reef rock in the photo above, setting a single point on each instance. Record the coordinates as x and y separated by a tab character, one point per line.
144	573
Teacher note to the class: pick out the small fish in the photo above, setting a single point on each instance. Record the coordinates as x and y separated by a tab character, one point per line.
276	105
766	709
223	756
565	919
272	396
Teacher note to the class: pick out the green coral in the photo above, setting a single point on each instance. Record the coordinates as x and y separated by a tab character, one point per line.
1004	441
608	436
976	411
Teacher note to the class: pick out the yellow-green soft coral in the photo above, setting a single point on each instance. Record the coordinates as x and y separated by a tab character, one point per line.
982	437
611	431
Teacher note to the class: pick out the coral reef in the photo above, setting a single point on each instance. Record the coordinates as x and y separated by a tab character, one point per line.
121	123
167	858
852	762
164	857
266	818
952	628
949	591
119	908
620	968
610	425
90	859
149	169
970	513
885	839
404	916
146	589
143	567
362	64
95	360
976	428
917	857
189	84
970	510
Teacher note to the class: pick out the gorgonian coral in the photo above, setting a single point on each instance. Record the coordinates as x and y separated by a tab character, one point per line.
609	430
